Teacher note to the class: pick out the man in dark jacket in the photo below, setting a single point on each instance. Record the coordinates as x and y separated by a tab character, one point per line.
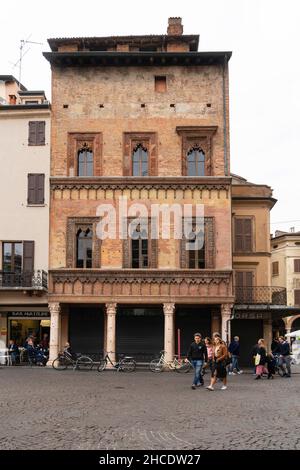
234	349
284	358
197	355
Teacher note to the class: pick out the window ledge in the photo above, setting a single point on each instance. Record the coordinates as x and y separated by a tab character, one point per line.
36	205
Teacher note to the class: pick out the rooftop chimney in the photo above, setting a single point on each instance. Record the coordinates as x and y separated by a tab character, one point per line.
175	28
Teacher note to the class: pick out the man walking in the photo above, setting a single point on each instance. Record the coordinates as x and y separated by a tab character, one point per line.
197	355
234	349
284	357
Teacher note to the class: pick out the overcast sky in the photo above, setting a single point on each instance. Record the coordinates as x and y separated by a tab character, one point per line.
264	36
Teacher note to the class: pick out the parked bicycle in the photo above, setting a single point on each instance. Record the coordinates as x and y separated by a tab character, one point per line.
178	365
125	363
65	360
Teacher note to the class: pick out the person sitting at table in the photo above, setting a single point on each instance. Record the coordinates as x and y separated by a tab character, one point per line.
30	349
13	351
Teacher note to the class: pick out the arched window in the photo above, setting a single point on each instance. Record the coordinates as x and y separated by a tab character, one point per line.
196	162
84	246
85	161
140	161
196	255
139	248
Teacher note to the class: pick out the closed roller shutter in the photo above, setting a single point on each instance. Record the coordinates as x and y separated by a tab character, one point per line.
191	320
140	332
249	332
86	328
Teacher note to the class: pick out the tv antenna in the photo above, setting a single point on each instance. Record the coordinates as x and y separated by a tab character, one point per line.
23	43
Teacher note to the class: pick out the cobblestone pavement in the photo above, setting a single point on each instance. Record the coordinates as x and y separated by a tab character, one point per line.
48	409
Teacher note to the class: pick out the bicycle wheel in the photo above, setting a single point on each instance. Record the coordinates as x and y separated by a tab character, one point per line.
84	363
127	365
60	363
102	365
156	365
183	367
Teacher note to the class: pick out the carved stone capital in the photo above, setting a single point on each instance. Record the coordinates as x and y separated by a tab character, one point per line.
54	308
169	308
111	308
226	310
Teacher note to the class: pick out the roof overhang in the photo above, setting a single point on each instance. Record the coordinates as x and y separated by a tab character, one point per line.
118	59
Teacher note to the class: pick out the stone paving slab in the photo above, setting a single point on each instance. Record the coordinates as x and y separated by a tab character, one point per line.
41	408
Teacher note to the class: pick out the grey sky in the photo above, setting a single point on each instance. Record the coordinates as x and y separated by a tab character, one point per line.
264	36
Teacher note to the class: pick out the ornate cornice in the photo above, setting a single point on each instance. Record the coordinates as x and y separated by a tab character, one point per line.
139	276
122	183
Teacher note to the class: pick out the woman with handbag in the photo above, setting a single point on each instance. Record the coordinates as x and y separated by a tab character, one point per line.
260	359
220	356
210	355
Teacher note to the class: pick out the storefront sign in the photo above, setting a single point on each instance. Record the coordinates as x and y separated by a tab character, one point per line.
29	314
250	316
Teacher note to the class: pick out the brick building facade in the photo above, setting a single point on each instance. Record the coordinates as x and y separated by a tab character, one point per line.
144	118
160	99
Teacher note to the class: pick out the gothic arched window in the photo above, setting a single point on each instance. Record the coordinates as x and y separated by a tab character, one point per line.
140	161
196	162
84	245
85	161
197	251
139	248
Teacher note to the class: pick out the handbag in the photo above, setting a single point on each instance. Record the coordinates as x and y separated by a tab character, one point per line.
228	359
257	359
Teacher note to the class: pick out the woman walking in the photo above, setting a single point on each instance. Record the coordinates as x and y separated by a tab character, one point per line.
260	359
220	355
210	355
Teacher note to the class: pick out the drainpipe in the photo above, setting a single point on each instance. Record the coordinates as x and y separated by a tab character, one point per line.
225	117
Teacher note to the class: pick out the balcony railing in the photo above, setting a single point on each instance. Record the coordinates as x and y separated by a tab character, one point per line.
24	279
260	295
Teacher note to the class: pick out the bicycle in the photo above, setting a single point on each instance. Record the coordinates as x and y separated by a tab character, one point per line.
178	365
125	364
65	360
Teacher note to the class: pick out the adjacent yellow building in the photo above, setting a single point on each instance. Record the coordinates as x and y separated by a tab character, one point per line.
286	272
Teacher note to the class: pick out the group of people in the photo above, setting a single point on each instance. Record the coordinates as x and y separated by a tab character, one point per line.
265	361
213	354
36	352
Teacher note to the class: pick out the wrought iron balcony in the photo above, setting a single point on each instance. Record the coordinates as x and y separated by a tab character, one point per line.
34	280
270	295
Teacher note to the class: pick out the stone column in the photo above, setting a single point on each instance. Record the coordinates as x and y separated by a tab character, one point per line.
268	334
226	316
55	318
64	324
169	344
215	321
288	330
111	310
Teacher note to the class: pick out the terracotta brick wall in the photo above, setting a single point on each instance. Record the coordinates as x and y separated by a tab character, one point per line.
122	91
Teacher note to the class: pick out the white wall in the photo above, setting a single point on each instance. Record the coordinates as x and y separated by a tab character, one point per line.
17	159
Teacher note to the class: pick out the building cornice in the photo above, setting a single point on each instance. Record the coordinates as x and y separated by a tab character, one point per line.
118	59
196	276
142	286
121	182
